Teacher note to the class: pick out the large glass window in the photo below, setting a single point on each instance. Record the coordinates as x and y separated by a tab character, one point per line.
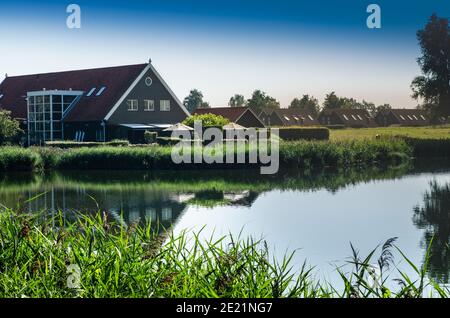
45	113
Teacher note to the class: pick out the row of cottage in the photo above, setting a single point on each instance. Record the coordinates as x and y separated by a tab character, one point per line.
124	101
354	118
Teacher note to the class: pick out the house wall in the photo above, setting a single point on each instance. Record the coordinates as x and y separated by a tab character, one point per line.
333	119
275	120
157	92
92	130
248	119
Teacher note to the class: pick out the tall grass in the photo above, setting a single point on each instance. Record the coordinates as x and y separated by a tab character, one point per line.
292	154
38	255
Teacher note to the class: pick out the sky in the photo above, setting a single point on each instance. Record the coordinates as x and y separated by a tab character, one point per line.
285	48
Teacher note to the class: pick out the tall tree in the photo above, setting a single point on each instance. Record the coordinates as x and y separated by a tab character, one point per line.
433	86
332	101
260	100
307	103
194	100
237	101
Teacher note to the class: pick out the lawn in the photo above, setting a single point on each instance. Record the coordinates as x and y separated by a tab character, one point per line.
369	133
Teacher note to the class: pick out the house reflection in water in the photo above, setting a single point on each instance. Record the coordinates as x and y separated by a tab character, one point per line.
126	206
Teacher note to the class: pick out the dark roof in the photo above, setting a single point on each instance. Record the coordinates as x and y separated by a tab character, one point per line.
351	116
232	113
410	116
292	117
94	108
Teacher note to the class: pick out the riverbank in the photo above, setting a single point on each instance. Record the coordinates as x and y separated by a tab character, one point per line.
292	154
94	257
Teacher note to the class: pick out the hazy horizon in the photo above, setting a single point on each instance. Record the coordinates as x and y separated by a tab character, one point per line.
285	48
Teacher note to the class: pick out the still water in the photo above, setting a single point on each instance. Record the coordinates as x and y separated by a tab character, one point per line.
317	213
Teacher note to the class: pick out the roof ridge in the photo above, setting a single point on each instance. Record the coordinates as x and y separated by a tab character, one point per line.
78	70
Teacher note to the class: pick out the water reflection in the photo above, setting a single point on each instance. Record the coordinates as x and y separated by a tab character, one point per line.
433	216
320	209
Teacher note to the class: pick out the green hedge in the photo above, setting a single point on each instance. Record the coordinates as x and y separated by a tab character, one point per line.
304	133
336	126
88	144
167	141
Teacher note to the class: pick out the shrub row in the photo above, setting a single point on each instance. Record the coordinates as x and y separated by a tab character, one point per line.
90	144
307	133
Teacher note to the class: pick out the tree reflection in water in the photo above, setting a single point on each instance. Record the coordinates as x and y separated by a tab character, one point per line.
434	218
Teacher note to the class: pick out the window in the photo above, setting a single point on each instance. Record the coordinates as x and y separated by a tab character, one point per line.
345	117
354	118
1	95
423	117
100	91
91	92
403	118
149	105
360	118
310	117
295	117
286	117
410	118
132	105
164	105
415	117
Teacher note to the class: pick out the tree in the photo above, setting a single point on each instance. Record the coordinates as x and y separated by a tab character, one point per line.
433	86
194	100
260	100
237	101
205	105
306	103
207	120
9	128
332	101
383	107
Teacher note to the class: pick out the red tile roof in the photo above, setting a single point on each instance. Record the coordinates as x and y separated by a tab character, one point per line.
232	113
293	117
94	108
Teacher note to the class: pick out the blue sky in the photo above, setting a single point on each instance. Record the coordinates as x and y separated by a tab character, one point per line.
286	48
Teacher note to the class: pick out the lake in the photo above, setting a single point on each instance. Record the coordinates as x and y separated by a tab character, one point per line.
316	213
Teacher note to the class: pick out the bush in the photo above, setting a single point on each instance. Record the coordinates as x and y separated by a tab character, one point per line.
19	159
150	137
9	128
307	133
88	144
208	120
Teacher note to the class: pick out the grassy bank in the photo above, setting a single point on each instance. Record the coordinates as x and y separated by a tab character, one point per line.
304	154
429	132
42	257
292	154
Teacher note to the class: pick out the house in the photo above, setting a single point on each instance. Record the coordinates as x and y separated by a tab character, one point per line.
243	116
264	115
92	104
292	117
356	118
402	117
